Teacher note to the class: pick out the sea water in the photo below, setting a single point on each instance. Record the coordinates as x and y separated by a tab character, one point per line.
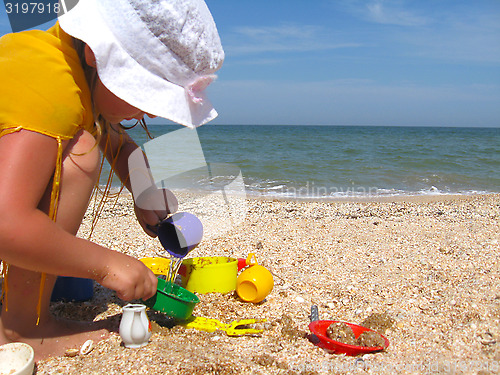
322	162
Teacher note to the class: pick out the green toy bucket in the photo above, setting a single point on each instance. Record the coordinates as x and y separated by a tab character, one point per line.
179	304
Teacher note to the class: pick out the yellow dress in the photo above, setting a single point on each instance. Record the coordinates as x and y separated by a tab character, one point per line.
43	90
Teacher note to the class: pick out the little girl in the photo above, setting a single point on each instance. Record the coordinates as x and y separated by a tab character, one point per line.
64	93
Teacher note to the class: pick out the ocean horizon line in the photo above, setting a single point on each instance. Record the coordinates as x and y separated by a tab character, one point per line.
151	123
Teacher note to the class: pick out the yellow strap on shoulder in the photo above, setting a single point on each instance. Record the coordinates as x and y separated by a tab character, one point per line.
54	201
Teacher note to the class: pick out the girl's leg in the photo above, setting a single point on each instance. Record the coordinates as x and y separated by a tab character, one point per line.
80	168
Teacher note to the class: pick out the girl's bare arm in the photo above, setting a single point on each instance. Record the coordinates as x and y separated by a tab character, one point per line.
30	239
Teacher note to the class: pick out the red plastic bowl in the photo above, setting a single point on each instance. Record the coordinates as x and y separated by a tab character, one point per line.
319	328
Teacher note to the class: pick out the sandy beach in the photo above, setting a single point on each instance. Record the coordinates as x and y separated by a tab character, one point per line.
422	271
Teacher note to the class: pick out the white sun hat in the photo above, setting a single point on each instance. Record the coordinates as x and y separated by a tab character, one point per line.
156	55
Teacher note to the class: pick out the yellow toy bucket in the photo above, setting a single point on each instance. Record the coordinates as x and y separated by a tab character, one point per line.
210	274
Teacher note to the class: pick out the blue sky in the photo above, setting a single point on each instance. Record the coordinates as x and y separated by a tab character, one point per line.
357	62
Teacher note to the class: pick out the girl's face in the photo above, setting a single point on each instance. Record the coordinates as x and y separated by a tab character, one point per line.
112	108
107	104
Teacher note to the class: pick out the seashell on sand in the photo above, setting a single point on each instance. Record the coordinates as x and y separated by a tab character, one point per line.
87	347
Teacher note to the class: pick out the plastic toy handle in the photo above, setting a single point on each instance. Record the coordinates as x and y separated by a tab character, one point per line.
251	257
204	324
314	317
314	313
233	330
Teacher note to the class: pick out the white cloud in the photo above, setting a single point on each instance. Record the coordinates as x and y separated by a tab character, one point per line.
387	12
471	37
392	13
281	39
258	61
448	31
279	32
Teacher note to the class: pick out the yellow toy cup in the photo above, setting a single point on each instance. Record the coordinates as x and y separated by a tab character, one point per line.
254	283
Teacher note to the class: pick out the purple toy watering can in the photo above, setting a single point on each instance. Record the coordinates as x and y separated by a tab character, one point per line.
179	233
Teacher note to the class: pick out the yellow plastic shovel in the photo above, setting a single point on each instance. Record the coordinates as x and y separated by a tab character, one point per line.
212	325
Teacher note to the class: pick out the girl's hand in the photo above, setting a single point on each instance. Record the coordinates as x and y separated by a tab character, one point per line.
152	206
129	277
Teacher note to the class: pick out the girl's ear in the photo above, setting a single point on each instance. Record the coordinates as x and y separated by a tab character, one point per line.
89	57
